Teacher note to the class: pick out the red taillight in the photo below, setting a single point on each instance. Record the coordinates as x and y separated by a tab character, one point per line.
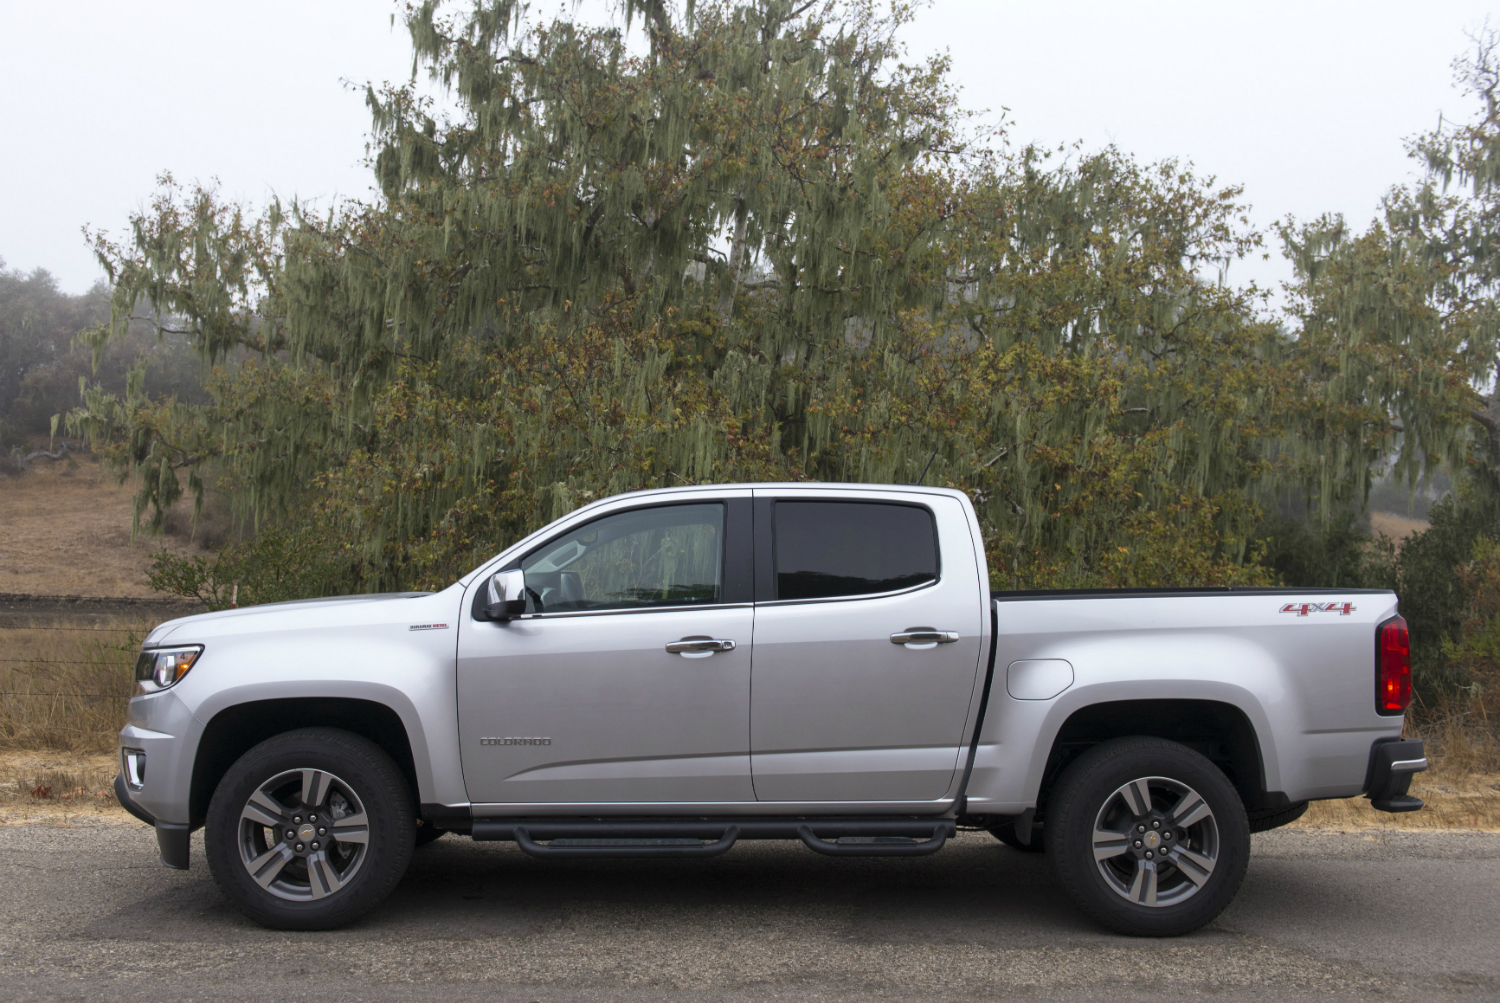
1392	667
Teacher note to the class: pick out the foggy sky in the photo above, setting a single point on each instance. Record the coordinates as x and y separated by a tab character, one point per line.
1305	103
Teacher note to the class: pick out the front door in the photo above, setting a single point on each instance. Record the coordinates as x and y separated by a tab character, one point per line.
581	700
844	709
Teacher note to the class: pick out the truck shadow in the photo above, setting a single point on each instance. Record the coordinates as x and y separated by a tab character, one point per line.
976	891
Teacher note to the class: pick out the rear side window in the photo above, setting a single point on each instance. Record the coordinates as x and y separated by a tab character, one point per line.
827	549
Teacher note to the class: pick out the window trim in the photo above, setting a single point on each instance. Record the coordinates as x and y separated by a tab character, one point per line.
859	595
765	548
727	557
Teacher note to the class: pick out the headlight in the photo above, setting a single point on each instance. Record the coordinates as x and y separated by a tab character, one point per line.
164	666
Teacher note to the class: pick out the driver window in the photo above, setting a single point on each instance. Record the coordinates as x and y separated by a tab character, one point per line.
667	556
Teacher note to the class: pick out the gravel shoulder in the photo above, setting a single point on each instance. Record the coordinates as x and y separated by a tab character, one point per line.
1401	915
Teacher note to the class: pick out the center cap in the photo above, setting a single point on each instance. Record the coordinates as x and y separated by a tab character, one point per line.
307	832
1153	840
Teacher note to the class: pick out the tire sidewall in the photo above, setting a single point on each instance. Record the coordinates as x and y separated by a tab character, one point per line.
387	801
1075	804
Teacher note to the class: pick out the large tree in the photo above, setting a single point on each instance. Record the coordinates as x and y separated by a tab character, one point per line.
763	247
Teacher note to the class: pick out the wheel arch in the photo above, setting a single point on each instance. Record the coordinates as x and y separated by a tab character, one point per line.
1219	730
236	729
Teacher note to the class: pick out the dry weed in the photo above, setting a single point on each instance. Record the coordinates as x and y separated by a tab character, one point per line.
66	688
58	787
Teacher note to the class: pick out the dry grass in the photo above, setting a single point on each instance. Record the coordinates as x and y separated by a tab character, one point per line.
58	788
1397	527
66	688
67	532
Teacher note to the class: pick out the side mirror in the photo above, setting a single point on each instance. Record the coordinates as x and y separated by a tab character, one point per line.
507	596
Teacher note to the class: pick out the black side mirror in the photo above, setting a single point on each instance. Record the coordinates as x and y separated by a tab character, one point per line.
507	598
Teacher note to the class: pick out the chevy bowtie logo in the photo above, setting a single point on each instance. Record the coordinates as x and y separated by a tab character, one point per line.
1304	608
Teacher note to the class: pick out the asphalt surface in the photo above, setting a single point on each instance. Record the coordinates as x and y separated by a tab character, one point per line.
87	913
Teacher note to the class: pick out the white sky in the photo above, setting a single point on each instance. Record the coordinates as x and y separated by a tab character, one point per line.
1305	103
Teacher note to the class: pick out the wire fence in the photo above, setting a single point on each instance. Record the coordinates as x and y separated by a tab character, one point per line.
65	684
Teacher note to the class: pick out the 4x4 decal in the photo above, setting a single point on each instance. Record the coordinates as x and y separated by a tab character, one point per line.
1304	608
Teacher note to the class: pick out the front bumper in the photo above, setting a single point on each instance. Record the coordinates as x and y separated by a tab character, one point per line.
1392	765
172	838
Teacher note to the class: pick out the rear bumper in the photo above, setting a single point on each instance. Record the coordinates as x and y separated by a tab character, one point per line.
172	838
1392	765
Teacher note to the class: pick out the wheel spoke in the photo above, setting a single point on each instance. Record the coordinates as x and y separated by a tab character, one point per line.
1143	888
255	813
1190	810
1109	844
322	879
1138	797
315	785
351	829
268	865
261	802
1194	866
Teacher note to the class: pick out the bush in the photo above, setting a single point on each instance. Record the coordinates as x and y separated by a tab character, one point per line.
276	565
1305	554
1423	570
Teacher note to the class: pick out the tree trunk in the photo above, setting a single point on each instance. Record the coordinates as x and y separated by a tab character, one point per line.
736	262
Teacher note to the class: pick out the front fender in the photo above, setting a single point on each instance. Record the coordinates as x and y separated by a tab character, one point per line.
349	689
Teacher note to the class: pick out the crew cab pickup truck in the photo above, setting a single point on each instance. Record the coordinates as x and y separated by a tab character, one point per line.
668	672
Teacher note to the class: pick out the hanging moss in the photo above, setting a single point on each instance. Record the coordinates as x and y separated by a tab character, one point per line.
765	250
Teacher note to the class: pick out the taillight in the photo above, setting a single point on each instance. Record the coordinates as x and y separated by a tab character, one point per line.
1392	667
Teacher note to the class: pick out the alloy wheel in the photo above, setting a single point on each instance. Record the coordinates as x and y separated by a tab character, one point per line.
1156	842
303	834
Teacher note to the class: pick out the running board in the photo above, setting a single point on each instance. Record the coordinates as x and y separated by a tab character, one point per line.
540	837
605	847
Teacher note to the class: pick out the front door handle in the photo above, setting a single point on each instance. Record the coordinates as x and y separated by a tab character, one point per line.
924	635
709	644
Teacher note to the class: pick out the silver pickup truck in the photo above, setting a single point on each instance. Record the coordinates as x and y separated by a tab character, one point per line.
668	672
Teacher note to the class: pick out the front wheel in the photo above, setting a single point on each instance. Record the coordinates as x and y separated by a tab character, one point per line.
311	829
1147	836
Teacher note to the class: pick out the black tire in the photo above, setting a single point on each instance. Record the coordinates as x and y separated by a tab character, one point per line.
428	833
1007	834
349	857
1266	819
1186	883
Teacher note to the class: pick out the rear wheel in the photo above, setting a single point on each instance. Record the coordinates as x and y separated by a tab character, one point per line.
1147	836
310	830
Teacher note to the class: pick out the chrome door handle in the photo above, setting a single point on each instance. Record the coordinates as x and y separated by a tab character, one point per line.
925	636
700	644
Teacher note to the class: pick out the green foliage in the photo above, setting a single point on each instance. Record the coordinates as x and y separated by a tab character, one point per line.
1313	553
1475	652
274	566
1424	571
768	249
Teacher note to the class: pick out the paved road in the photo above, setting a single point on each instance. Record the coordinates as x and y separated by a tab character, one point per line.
86	913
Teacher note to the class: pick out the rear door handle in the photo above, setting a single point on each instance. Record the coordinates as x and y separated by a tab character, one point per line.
700	644
925	635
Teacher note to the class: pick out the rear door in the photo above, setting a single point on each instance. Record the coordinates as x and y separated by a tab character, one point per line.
852	700
595	695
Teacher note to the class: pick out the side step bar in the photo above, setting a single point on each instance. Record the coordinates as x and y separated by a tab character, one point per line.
704	838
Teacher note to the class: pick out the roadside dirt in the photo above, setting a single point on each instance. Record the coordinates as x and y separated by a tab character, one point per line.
59	788
65	530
